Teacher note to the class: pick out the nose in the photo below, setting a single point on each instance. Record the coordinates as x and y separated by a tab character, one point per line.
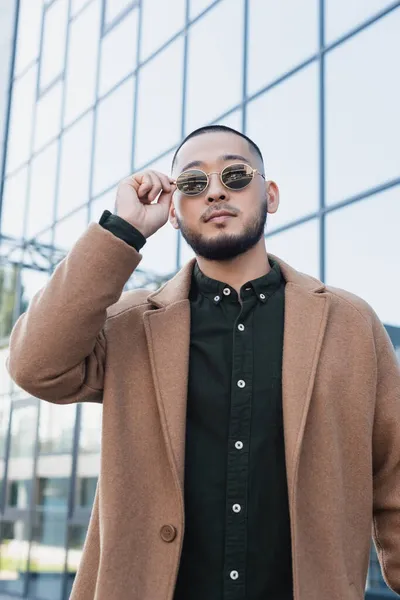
216	191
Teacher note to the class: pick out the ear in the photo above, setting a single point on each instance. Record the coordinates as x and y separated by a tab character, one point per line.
272	196
172	216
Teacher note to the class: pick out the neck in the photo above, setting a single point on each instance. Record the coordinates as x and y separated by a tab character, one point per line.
237	271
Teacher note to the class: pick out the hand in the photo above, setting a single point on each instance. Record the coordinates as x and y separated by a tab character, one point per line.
135	196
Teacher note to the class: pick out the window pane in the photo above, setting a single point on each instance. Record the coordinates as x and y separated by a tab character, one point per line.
23	431
186	253
362	115
197	6
158	125
5	404
284	123
82	62
29	25
42	190
19	494
47	556
343	15
14	200
281	35
298	246
233	120
70	229
159	253
118	52
13	556
155	31
48	116
22	105
53	50
56	428
104	202
90	433
362	239
86	491
114	8
215	68
77	5
31	282
76	149
76	539
114	137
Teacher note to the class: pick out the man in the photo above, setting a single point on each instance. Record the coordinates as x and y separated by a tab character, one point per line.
251	414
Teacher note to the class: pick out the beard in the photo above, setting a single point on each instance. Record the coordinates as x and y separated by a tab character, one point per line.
227	246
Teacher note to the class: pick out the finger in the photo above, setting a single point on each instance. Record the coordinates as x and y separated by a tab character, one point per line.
156	187
145	185
165	180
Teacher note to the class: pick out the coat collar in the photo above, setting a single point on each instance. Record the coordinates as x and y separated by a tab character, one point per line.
177	288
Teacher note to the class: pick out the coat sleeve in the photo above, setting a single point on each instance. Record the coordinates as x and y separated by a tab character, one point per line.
57	347
386	459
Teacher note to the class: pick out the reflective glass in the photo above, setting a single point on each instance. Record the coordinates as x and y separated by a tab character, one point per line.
86	491
158	124
104	202
21	119
362	110
31	282
53	48
19	493
343	15
83	48
56	428
233	120
118	52
284	123
76	150
113	137
159	253
14	201
160	22
23	431
186	253
77	5
219	61
90	433
8	285
29	26
48	116
14	548
362	239
76	540
47	555
68	230
115	8
281	35
298	246
41	192
5	404
197	6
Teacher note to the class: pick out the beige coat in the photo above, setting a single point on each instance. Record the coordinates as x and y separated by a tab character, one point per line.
81	340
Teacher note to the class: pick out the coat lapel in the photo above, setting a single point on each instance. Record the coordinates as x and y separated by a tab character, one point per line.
167	328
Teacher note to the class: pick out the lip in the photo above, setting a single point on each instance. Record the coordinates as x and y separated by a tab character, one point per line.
220	216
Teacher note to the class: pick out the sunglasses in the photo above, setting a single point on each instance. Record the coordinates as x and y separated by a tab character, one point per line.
234	177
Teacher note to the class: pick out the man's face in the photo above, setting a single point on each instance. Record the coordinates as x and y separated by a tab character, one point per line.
225	239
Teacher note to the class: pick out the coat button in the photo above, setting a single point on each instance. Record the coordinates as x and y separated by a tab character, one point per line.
168	533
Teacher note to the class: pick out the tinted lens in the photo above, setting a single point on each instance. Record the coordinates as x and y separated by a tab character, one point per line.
237	176
192	182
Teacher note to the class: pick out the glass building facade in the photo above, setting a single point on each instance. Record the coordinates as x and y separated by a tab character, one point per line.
99	89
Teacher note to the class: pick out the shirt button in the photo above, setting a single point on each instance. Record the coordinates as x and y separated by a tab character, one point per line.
226	291
241	327
236	508
234	574
217	298
241	383
262	296
238	445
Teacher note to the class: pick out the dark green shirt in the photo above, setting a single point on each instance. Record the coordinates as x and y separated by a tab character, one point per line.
237	543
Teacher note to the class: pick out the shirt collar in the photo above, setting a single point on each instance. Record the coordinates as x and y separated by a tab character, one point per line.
263	287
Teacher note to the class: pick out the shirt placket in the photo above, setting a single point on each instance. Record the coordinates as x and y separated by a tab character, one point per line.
238	455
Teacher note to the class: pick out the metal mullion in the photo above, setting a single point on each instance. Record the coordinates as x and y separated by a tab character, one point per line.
245	58
107	27
321	78
137	78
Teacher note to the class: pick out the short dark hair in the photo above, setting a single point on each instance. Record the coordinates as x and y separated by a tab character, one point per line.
211	129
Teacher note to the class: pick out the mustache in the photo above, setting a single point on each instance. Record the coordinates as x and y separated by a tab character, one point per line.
226	207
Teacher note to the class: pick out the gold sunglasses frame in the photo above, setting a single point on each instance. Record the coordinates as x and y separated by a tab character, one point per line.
253	173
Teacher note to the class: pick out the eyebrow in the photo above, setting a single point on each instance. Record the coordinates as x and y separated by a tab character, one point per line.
199	163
